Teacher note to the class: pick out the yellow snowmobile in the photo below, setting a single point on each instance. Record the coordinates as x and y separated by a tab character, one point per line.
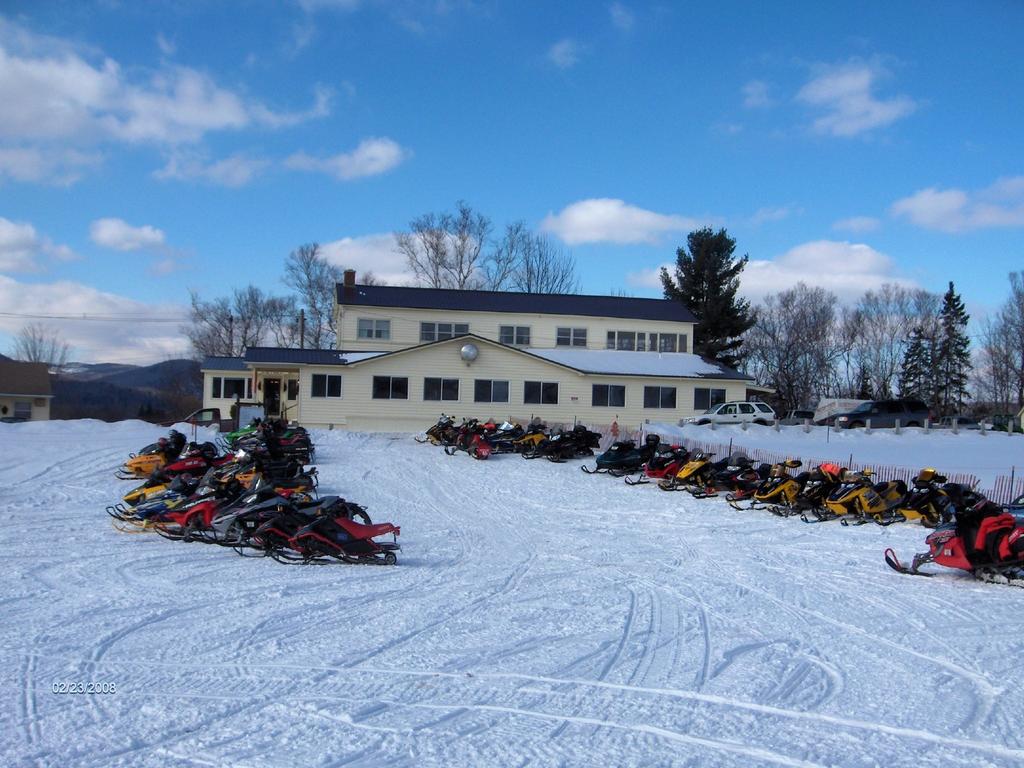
779	489
859	499
154	456
698	473
933	500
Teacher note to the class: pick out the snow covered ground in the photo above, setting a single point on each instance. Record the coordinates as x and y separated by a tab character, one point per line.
538	616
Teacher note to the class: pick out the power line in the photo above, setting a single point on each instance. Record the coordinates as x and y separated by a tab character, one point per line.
110	318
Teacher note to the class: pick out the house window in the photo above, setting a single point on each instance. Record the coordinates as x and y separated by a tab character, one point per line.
490	391
440	389
608	395
367	328
390	388
23	409
439	331
293	389
682	342
624	340
324	385
666	342
659	397
231	388
540	392
571	337
704	398
514	335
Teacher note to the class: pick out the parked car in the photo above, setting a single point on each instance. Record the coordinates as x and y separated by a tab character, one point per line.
883	414
797	417
735	413
962	422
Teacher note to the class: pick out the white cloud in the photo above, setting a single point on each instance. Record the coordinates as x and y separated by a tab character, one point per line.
167	47
564	54
121	236
846	94
847	269
50	91
857	224
648	278
369	253
777	213
371	158
954	210
622	17
51	166
123	339
22	249
234	171
606	220
756	95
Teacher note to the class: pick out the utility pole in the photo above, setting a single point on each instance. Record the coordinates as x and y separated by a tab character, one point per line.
302	329
231	335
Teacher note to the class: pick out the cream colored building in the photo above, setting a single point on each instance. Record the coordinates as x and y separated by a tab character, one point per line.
406	355
25	391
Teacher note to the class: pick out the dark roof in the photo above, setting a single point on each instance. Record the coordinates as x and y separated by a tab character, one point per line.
223	364
289	356
506	301
30	379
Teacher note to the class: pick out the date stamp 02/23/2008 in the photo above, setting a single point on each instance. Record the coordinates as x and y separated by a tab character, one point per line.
83	688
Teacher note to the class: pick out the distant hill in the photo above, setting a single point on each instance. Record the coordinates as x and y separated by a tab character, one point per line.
113	391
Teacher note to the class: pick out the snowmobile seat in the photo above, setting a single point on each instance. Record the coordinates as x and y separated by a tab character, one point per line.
360	531
992	535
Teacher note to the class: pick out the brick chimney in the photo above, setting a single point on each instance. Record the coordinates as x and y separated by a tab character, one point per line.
350	278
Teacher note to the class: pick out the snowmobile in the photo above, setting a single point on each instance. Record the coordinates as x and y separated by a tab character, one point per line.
501	437
140	518
697	473
154	456
346	540
470	438
934	501
984	540
625	457
818	485
666	462
259	427
536	433
780	487
740	478
440	433
863	501
569	444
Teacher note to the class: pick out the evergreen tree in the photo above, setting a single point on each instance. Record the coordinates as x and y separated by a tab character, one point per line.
916	366
953	361
706	280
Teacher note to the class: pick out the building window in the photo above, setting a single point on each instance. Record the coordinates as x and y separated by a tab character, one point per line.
390	388
704	398
293	389
490	391
324	385
571	337
682	342
608	395
540	392
440	389
23	409
230	388
659	397
367	328
439	331
514	335
624	340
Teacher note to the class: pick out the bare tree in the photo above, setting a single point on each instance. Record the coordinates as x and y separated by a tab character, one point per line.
525	261
314	280
39	343
445	251
1000	371
227	326
794	345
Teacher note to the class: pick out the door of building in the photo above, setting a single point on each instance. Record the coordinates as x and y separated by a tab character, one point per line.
272	397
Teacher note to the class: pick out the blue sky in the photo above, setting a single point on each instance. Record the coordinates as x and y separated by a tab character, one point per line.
149	149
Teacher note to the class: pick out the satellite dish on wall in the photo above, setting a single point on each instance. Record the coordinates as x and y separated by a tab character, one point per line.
469	352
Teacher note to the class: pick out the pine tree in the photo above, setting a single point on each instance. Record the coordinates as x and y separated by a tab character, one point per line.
953	361
916	366
706	280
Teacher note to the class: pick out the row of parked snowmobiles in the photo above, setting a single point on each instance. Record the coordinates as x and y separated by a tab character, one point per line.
483	439
972	533
256	501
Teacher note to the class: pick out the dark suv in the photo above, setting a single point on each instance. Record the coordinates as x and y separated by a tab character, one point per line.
883	413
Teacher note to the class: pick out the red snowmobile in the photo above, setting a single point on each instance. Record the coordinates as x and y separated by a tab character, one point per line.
985	540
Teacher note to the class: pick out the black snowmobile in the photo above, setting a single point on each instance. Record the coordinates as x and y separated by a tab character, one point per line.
625	457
